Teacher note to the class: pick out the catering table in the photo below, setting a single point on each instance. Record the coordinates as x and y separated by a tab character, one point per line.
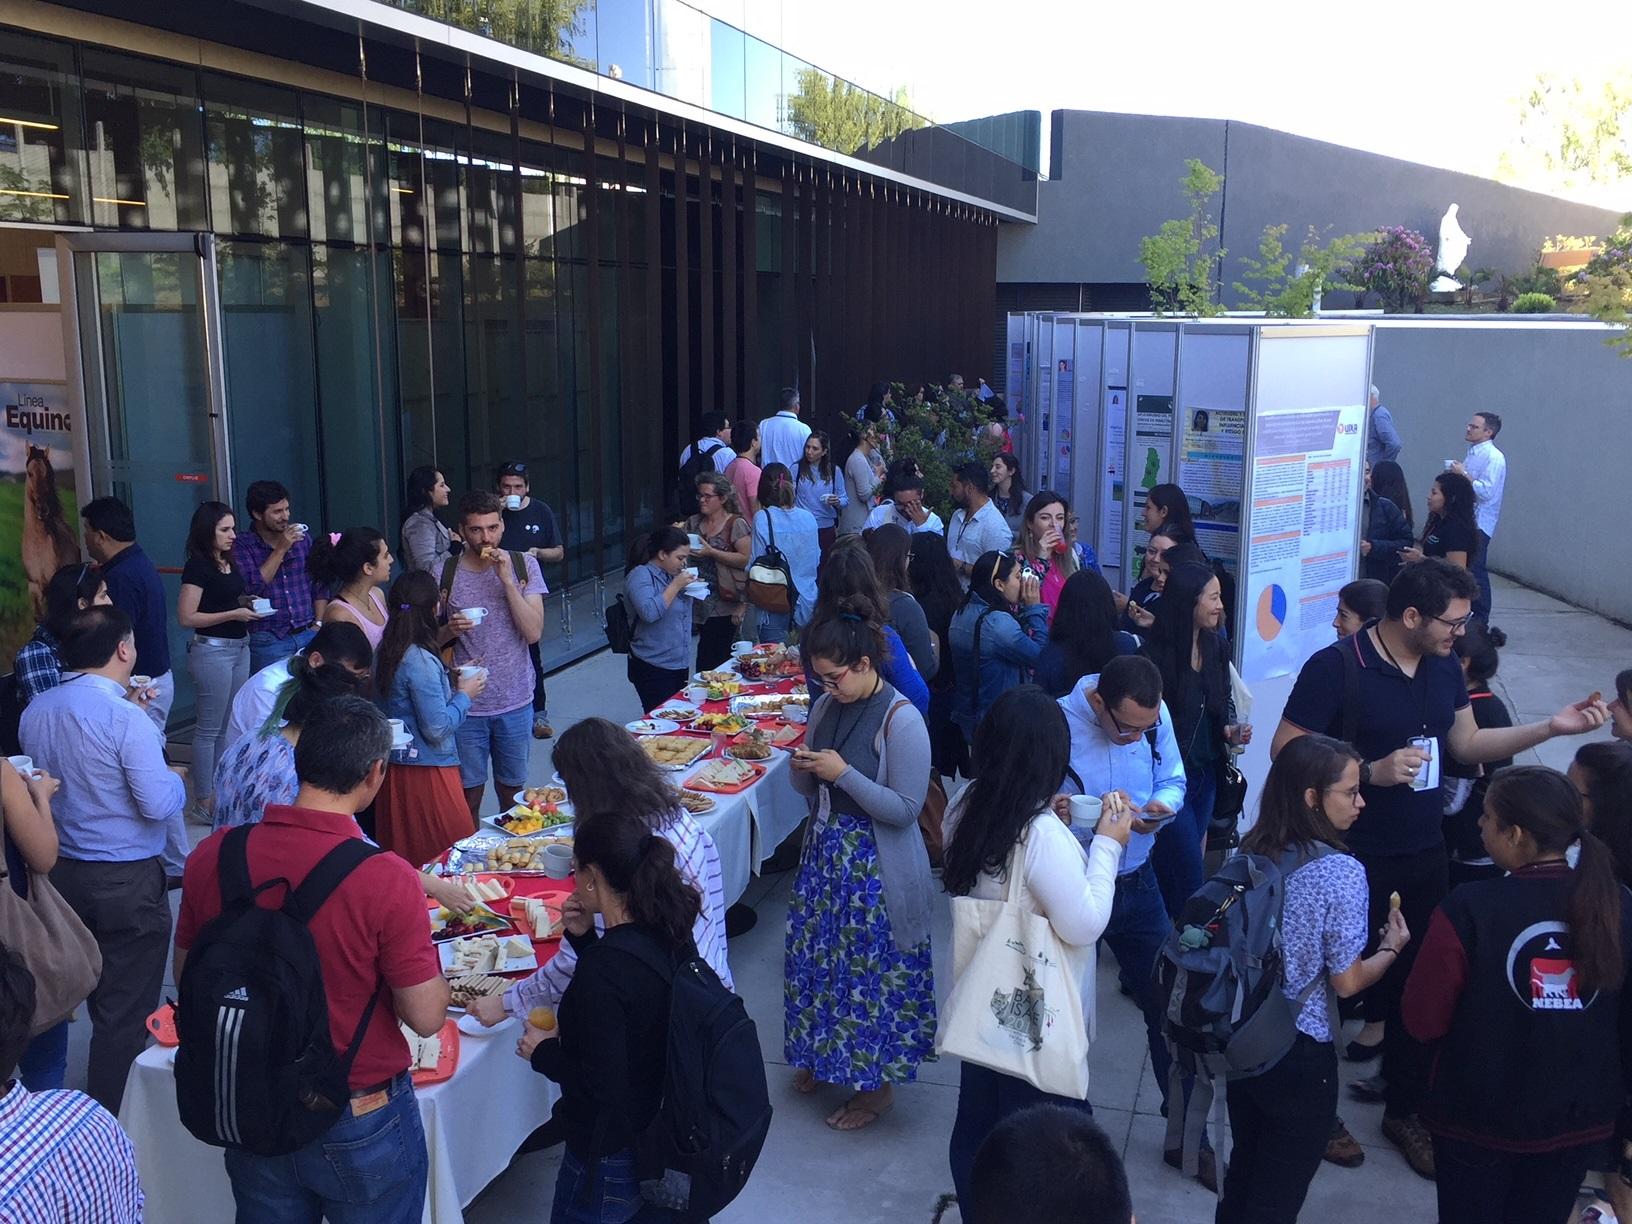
474	1123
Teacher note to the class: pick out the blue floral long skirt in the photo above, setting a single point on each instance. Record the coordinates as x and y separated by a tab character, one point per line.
858	1010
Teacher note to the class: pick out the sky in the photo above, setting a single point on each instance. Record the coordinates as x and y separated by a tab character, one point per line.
1430	81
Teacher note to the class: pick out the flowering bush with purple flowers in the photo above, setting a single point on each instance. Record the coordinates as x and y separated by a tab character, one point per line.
1396	267
1607	280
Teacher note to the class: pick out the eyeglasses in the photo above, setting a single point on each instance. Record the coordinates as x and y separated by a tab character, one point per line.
702	493
1352	792
1129	732
1455	626
832	682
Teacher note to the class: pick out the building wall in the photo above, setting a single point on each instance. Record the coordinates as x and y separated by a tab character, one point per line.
1117	178
1565	399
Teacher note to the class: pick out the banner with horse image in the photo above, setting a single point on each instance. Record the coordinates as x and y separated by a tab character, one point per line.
39	509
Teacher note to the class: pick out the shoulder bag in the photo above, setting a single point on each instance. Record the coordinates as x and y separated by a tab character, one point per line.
55	945
769	584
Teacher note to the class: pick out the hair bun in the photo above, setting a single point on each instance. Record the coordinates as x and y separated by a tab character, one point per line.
1496	637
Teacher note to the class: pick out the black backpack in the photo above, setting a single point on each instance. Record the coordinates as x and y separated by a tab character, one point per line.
696	1155
620	626
701	463
256	1069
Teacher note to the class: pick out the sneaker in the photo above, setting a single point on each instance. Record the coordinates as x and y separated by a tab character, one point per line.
1344	1149
542	728
1411	1137
1206	1166
1371	1089
1359	1052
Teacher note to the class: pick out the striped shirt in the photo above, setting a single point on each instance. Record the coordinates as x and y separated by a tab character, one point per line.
699	862
63	1157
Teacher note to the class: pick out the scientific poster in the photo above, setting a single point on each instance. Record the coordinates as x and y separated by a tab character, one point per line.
1064	418
1115	427
39	510
1149	462
1211	458
1305	482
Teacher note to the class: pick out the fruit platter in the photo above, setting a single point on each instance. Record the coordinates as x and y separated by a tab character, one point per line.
729	724
768	661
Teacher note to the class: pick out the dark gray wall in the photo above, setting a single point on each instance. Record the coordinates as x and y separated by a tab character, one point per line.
1565	399
1118	179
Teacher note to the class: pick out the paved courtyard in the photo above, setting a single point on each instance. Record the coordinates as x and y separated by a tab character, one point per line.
896	1170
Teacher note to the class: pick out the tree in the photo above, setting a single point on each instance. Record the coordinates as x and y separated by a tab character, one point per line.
1396	267
1471	278
1289	291
547	27
1182	258
843	117
1607	280
1572	133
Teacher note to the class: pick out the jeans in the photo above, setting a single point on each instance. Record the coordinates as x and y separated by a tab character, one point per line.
219	666
985	1098
773	626
1280	1121
44	1063
602	1192
1178	853
1138	925
363	1170
1421	880
541	700
1481	575
265	650
714	641
505	740
1479	1185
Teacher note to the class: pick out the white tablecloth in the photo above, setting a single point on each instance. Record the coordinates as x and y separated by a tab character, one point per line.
748	827
474	1123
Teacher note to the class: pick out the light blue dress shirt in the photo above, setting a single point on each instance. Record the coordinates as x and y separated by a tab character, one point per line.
662	630
809	492
795	531
117	793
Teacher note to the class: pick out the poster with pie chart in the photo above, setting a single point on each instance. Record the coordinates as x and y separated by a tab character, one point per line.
1271	617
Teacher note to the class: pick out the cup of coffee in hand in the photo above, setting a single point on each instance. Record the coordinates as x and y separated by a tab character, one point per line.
512	501
474	615
260	606
23	765
140	682
1085	810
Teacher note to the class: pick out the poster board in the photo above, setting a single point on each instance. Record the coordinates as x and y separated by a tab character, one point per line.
1152	373
1215	375
39	503
1057	475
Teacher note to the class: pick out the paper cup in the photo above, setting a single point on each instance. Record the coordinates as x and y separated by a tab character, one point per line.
1085	811
23	765
474	615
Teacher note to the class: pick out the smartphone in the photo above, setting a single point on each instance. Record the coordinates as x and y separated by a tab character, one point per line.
1154	817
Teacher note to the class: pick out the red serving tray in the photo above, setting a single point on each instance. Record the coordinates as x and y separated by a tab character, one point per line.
447	1062
694	782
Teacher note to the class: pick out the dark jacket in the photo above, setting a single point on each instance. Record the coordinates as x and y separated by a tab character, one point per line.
1524	1060
1388	532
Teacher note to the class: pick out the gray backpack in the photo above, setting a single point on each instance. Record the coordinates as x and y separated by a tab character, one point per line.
1222	970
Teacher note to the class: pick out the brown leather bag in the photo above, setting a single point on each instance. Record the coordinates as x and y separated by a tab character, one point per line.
930	817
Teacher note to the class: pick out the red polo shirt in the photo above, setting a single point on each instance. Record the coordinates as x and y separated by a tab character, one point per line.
371	934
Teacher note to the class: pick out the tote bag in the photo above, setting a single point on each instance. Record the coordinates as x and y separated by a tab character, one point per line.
55	945
1016	1001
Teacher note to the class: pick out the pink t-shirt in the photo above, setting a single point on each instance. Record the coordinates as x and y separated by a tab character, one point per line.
496	643
744	477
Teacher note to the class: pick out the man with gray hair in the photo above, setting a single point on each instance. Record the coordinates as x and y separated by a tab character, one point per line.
1382	439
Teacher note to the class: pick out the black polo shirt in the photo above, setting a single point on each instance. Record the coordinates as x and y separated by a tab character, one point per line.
533	526
1391	709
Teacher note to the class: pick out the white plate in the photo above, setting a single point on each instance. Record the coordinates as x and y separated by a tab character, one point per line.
560	830
698	590
516	964
397	745
472	1027
652	726
677	711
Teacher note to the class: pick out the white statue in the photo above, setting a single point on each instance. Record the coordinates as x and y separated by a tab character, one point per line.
1453	251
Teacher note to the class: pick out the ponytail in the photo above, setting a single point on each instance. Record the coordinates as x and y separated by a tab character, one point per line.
640	867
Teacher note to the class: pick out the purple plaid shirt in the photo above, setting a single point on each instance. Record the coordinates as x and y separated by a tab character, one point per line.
63	1157
291	590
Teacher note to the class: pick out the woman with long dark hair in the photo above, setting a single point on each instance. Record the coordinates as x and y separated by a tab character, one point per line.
1184	644
1602	773
1519	988
889	546
1388	480
73	588
424	541
1281	1119
863	477
354	564
859	992
849	586
609	1046
1005	822
421	810
212	604
1451	531
1083	636
935	586
1138	606
997	634
1009	489
722	562
1042	548
605	770
1167	506
654	586
820	487
1463	786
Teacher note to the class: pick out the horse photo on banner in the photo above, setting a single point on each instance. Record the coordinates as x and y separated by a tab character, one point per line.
39	509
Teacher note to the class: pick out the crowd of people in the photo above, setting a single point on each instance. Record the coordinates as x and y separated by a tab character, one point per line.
355	700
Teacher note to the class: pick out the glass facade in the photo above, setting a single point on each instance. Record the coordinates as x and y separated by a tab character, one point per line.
551	280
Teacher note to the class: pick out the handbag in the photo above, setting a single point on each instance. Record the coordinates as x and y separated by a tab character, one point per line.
769	586
933	814
1223	831
56	946
1016	1001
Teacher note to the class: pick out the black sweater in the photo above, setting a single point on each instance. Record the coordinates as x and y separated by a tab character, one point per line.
611	1055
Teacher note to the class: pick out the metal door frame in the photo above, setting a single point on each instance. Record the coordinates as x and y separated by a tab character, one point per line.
92	441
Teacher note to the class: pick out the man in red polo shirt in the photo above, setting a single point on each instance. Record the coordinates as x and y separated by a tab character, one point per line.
372	938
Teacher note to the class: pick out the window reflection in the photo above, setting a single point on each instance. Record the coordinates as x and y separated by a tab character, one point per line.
40	133
144	144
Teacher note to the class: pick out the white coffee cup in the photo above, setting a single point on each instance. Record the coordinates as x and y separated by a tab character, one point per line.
741	648
397	727
696	541
260	606
795	714
23	765
140	682
697	694
512	501
302	528
1085	810
469	671
558	862
690	571
1449	464
474	615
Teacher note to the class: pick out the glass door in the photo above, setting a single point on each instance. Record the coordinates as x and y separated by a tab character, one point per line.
141	311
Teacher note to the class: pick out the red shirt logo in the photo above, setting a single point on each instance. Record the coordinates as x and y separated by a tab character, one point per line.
1552	985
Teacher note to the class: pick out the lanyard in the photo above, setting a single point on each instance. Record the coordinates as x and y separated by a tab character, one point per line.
1410	681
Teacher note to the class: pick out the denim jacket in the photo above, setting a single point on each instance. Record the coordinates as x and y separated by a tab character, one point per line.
1009	646
423	697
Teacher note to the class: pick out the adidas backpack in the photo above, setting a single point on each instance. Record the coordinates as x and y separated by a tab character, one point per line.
1222	970
696	1155
256	1069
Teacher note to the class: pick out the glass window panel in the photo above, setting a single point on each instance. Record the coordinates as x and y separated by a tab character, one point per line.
356	367
614	534
256	159
682	46
727	62
623	40
41	135
145	144
342	167
762	91
494	369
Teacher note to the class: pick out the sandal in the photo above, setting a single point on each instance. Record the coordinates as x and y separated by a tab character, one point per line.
804	1082
870	1113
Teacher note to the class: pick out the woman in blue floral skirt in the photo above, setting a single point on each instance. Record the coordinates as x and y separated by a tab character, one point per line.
859	999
